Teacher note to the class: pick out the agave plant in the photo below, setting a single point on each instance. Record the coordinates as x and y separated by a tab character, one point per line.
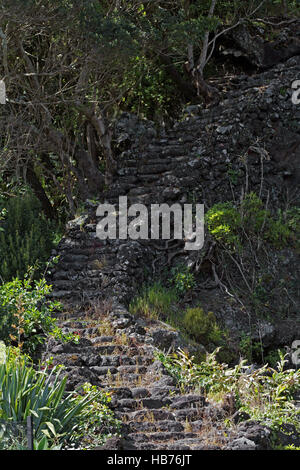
25	391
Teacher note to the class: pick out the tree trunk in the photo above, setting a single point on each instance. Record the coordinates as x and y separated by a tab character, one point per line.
40	193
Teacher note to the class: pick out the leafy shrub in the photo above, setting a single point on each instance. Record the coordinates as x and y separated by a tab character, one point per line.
58	416
26	317
182	278
154	302
266	394
201	326
229	225
150	92
223	222
26	237
249	349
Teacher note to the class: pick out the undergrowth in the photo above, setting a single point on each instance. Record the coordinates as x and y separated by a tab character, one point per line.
265	394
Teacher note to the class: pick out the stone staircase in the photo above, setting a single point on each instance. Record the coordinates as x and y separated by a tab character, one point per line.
206	158
117	354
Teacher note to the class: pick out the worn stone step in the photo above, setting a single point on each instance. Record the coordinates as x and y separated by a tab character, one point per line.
132	369
118	392
73	359
160	436
150	403
102	339
187	414
186	401
161	426
151	415
103	370
123	360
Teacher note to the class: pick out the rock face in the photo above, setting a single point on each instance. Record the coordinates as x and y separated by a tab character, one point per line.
250	140
251	44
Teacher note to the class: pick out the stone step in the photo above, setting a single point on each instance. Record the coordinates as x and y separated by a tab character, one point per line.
162	426
187	414
186	401
123	360
151	415
160	436
138	404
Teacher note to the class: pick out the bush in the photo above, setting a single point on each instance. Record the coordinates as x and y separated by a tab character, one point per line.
230	225
266	394
26	317
182	279
58	416
154	302
201	326
223	222
26	237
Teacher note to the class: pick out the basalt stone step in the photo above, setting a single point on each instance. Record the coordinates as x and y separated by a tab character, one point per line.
149	179
71	348
118	392
150	446
190	414
151	414
102	339
149	403
107	349
137	360
124	404
76	284
120	349
159	436
65	295
119	361
133	369
77	360
185	401
161	392
138	191
161	426
102	370
110	361
140	392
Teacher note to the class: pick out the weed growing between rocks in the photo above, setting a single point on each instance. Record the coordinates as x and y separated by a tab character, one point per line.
265	394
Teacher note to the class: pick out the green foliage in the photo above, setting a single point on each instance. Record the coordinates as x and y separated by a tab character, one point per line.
231	225
202	326
250	350
273	357
154	302
266	394
26	237
57	415
26	317
182	278
150	91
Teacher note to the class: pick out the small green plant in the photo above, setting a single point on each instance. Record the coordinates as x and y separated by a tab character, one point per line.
182	279
26	317
202	326
249	349
154	302
224	222
231	225
233	175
